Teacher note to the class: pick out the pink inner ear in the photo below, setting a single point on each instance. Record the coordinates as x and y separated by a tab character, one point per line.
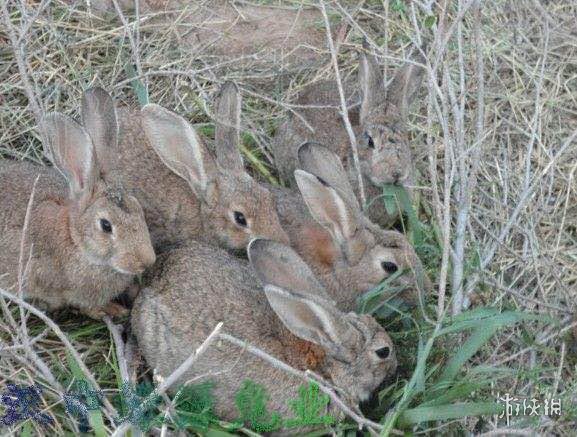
78	160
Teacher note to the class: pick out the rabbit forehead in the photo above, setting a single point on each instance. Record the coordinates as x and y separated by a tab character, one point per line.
242	192
385	116
117	203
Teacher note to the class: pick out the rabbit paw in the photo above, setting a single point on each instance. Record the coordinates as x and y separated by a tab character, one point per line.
132	291
112	309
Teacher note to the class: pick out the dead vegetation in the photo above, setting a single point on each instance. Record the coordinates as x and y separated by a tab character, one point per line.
494	134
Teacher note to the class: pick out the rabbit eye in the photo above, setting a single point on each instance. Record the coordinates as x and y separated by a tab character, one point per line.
389	267
240	219
383	352
106	226
370	142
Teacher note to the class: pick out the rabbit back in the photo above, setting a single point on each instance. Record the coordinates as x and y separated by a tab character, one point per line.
328	128
183	304
171	211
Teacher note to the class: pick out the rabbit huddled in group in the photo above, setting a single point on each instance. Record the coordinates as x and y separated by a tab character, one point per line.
348	252
380	126
186	193
86	238
288	315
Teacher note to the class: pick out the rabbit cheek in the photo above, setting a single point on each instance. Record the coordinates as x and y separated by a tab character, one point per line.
229	235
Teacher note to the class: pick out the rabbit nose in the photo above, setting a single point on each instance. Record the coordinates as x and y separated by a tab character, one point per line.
396	176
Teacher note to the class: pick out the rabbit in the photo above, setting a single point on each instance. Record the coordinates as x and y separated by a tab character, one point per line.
185	193
86	238
380	126
294	320
327	228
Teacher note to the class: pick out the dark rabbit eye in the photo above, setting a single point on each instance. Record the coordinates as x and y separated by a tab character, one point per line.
370	142
240	219
389	267
383	352
106	226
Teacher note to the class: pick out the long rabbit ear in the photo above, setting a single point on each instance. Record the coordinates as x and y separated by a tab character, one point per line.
405	85
277	264
322	162
227	132
371	80
70	149
100	121
312	320
328	207
179	147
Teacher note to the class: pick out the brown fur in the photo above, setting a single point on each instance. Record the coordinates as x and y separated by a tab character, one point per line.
382	117
192	289
85	240
61	270
177	210
352	267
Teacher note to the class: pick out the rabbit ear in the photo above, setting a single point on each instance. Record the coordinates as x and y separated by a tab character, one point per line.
227	130
371	80
277	264
405	85
322	162
312	320
70	149
328	206
179	147
100	121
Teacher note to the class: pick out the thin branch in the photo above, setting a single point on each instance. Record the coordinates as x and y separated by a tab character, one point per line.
19	50
173	377
119	346
307	376
344	110
50	323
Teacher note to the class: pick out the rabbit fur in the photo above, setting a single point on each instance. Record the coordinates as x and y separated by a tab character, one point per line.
327	228
288	315
86	237
380	126
186	193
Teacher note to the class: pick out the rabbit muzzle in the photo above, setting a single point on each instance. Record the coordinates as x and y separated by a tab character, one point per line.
134	263
388	169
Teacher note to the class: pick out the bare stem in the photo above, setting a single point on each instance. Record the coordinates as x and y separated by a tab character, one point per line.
344	109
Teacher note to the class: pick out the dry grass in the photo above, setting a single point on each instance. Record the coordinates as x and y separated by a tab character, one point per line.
497	156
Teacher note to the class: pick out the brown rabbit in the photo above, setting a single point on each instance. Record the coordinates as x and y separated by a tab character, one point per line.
348	252
85	241
195	288
380	128
185	193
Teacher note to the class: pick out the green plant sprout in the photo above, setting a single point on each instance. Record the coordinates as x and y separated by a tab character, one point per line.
309	407
251	402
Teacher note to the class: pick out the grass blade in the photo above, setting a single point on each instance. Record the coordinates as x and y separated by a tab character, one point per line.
94	416
448	412
137	85
478	338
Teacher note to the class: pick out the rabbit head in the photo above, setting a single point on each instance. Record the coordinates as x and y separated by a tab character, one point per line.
359	352
384	150
363	254
105	222
235	207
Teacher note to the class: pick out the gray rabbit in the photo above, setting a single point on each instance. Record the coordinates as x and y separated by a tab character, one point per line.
380	127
